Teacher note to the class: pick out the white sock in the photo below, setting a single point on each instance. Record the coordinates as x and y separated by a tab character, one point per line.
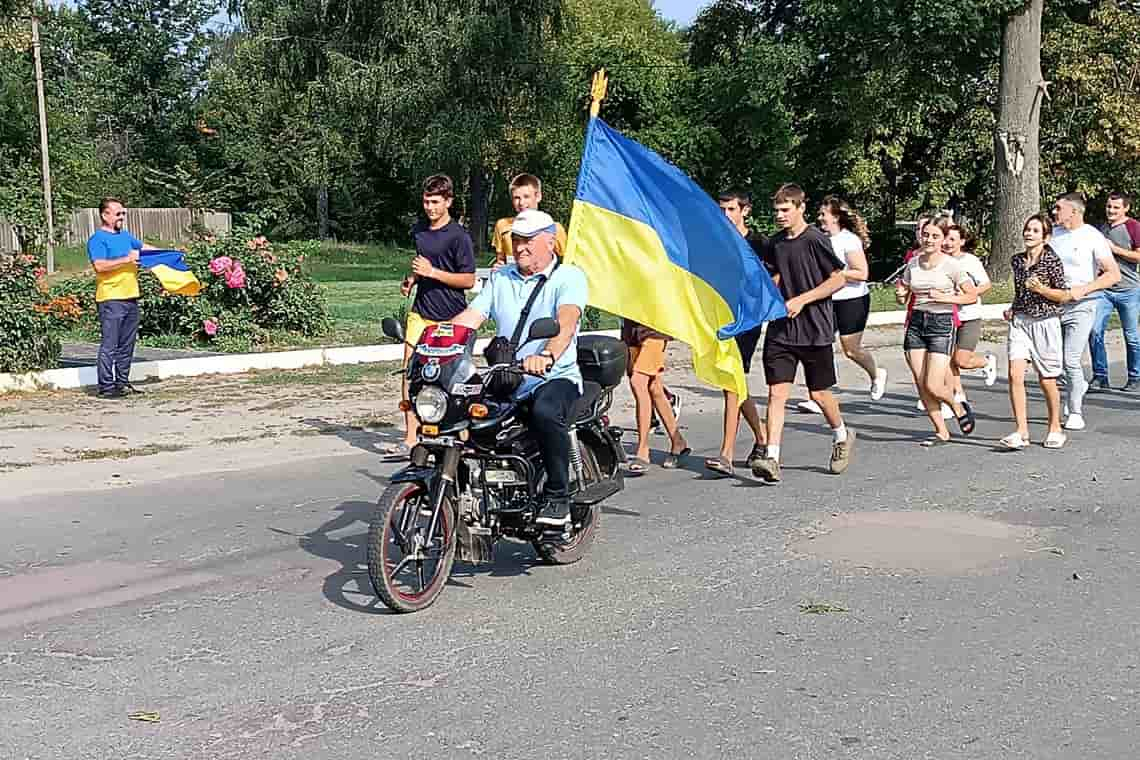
840	434
774	452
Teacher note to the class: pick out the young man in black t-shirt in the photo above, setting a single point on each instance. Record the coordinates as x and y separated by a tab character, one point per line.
442	271
807	271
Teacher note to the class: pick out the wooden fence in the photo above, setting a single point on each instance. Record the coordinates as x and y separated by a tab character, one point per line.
166	225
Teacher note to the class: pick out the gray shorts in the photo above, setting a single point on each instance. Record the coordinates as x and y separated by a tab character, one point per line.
969	335
1038	341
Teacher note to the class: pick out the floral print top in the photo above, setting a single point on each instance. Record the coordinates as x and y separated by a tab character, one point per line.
1050	271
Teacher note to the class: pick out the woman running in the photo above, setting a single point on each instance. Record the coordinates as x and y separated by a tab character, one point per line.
1035	330
956	243
937	282
852	304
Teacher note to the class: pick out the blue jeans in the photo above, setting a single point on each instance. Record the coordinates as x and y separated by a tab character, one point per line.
119	320
1127	305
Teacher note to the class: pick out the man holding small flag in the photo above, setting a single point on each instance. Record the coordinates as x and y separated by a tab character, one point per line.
115	256
656	249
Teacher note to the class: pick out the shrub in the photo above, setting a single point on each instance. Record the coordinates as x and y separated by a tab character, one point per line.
28	316
249	286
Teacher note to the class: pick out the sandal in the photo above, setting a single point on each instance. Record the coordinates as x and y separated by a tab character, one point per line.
673	461
720	465
1014	442
933	441
1054	440
967	422
399	450
637	466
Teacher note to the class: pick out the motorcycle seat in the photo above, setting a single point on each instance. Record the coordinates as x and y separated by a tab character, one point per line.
584	407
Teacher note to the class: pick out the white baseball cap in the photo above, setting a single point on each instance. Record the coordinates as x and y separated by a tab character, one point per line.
531	222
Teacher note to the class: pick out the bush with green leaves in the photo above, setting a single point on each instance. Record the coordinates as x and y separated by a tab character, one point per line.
249	287
27	316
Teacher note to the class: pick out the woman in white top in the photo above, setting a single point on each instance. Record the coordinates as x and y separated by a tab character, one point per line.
852	304
938	283
969	315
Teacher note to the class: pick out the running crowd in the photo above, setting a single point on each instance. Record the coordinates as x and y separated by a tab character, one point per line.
1068	281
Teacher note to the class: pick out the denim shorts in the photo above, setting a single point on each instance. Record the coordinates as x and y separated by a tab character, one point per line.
930	331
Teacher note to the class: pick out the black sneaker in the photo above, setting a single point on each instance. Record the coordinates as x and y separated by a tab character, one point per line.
113	393
1099	385
1132	386
555	513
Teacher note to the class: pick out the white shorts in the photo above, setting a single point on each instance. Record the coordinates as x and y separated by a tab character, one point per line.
1038	341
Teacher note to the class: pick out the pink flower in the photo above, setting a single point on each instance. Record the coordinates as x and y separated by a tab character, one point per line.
210	326
281	276
221	265
235	278
40	273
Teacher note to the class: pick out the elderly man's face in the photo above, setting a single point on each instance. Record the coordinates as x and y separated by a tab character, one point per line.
533	254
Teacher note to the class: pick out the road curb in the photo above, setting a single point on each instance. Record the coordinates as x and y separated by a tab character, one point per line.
83	377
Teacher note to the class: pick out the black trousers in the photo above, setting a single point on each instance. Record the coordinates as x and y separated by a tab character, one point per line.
551	406
119	323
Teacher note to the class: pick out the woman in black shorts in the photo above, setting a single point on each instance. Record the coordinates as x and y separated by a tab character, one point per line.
937	282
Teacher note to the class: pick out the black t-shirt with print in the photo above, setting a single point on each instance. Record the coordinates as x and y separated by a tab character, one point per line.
803	263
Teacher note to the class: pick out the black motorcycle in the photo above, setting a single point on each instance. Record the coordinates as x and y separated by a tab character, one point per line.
477	474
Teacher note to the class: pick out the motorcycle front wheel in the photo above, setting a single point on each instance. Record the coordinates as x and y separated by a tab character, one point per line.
407	566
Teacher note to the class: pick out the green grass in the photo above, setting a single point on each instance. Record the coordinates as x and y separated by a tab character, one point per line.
359	262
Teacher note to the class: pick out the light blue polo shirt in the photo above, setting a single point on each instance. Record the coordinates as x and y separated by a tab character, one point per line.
506	293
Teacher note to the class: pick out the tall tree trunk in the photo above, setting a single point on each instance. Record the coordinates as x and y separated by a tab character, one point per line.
323	211
1016	148
480	208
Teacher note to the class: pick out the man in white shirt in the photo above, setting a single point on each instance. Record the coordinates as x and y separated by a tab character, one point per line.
1089	268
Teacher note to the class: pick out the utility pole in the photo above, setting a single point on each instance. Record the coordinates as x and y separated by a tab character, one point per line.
45	161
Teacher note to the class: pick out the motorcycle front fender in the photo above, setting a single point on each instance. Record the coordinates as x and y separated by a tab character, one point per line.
413	474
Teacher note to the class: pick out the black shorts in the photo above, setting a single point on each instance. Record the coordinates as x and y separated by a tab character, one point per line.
781	361
851	314
747	343
930	331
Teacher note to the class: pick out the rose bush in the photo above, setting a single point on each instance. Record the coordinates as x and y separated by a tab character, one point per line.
249	288
28	317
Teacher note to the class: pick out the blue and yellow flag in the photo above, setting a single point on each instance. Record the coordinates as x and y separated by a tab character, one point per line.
171	270
658	250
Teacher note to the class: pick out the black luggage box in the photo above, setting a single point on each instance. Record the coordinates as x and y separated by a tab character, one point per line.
602	359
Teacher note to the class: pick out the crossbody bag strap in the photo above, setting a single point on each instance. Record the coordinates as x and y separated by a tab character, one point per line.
526	309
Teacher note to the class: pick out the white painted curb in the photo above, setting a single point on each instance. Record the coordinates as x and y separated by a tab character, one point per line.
80	377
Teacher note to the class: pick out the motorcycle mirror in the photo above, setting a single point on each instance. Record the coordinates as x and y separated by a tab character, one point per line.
543	329
392	329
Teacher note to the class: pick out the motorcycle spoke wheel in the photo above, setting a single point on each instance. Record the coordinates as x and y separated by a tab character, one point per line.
409	568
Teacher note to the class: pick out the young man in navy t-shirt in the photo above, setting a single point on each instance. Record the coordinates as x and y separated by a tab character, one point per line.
442	272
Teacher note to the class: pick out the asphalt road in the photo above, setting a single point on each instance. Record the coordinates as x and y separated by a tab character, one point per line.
235	606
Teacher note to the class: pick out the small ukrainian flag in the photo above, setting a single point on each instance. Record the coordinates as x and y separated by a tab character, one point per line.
171	270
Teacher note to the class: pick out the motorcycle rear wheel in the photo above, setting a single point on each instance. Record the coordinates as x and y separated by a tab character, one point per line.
404	580
569	552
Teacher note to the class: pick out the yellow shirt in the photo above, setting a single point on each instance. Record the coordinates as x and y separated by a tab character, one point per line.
501	239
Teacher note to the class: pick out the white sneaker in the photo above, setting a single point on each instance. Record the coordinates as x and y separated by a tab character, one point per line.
1075	422
879	384
991	369
947	412
810	407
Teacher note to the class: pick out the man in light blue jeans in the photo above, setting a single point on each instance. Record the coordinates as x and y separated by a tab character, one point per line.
1089	269
1123	235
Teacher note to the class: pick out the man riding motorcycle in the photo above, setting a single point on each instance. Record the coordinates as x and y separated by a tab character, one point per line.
538	285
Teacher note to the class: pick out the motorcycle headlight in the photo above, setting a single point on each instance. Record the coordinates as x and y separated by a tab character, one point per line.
431	404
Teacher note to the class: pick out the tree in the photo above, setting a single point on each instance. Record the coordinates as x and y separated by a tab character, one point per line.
1017	136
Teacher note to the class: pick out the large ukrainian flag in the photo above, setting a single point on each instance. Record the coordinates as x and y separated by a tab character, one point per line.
172	272
657	249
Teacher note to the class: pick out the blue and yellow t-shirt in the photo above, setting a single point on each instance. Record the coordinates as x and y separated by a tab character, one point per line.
123	282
